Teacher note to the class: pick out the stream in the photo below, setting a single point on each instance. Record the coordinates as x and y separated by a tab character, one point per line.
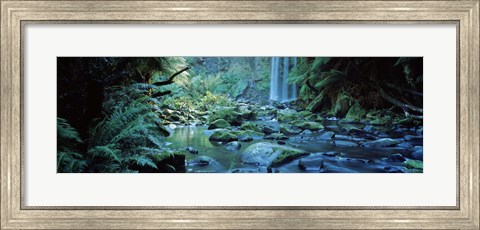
341	154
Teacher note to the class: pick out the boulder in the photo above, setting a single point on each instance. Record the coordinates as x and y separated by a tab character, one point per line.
276	136
228	114
310	125
233	146
191	150
417	155
219	124
270	155
287	115
379	143
250	126
223	136
201	161
397	157
310	164
289	129
326	135
414	165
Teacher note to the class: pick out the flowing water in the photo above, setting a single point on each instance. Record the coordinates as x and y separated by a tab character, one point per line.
353	159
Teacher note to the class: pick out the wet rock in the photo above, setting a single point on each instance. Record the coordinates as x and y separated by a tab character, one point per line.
269	127
281	142
248	170
384	142
417	155
289	129
310	125
306	133
223	136
397	157
333	154
326	136
245	138
416	148
419	131
269	154
369	128
250	126
413	164
219	124
406	145
201	161
390	169
191	150
276	136
233	146
340	143
287	115
355	113
413	138
310	164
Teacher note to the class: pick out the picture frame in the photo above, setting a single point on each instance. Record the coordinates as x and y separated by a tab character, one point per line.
465	14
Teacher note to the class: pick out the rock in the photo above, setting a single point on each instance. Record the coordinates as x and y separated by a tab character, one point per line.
369	128
289	129
404	145
419	131
326	136
172	126
228	114
233	146
333	154
317	103
249	170
250	126
245	138
413	138
281	142
312	164
223	136
413	164
276	136
417	155
342	105
355	113
270	155
191	150
306	132
384	142
219	124
397	157
416	148
389	169
310	125
175	117
201	161
287	115
345	143
269	127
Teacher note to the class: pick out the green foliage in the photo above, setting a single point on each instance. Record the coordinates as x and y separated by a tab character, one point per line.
69	160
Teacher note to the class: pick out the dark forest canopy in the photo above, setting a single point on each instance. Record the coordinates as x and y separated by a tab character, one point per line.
113	112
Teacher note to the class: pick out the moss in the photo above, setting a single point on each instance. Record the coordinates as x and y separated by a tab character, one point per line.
287	115
250	126
316	104
223	136
310	125
413	164
355	113
409	122
250	133
228	114
287	155
341	106
219	124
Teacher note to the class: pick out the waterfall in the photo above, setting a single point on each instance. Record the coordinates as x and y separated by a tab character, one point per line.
280	90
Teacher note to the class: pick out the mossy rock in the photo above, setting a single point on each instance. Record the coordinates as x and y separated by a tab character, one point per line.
269	154
317	104
286	115
310	125
289	129
408	122
341	106
355	113
219	124
228	114
250	126
413	165
223	136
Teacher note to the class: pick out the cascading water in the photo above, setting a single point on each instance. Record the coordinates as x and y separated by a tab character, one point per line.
280	89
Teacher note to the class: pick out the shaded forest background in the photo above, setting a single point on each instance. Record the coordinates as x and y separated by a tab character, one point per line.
113	112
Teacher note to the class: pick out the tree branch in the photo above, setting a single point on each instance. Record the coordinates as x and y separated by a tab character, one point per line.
398	103
170	79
